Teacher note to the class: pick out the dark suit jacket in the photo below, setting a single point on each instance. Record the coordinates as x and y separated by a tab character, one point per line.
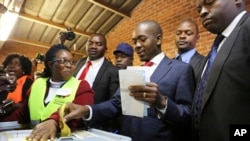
106	82
226	99
176	81
197	62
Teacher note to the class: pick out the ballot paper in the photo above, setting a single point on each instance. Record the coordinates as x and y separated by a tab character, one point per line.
133	76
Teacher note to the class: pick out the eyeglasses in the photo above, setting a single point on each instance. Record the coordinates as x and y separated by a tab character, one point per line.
65	61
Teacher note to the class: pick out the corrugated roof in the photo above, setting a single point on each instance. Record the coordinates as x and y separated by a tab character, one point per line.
41	21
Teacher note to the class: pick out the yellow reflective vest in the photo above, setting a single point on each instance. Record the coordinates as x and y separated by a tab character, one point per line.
40	112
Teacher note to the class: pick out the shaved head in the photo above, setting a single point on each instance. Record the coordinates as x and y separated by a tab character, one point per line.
153	25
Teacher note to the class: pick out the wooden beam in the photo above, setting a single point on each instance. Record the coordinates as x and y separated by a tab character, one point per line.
1	44
51	24
111	8
37	44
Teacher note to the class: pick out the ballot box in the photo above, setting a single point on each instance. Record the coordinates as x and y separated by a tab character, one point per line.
11	125
81	135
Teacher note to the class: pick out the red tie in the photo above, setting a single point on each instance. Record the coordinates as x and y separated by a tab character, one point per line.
149	63
85	71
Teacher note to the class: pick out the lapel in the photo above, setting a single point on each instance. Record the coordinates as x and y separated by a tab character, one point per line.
194	59
161	70
220	60
101	72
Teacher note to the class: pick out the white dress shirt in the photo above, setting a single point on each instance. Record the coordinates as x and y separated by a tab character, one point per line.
93	70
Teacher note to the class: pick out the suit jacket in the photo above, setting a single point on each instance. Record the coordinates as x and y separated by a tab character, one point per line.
226	99
106	82
197	62
176	81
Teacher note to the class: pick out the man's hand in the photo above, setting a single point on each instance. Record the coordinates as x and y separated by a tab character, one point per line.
149	93
75	111
44	131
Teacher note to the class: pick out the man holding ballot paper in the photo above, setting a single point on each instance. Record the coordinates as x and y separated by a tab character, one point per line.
168	94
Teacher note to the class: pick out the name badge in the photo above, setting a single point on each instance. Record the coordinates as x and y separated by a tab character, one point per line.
63	92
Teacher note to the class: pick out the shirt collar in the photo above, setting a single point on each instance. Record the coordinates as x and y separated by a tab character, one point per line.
186	56
157	59
98	61
233	24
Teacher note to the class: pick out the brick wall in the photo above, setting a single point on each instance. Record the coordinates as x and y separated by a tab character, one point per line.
168	13
27	50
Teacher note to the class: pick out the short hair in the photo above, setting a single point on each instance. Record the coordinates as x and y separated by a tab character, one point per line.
101	35
25	62
192	22
50	56
157	28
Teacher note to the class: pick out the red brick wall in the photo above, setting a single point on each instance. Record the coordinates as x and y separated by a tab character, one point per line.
27	50
168	13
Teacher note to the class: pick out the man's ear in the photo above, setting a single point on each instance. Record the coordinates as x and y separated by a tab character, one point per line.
159	38
198	36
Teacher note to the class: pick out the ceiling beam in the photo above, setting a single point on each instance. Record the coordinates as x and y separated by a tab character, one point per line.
1	44
35	43
51	24
111	8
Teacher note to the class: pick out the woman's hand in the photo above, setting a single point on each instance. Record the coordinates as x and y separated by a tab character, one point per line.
44	131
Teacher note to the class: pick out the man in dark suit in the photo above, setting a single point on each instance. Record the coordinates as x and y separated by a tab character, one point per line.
169	94
187	35
226	96
102	75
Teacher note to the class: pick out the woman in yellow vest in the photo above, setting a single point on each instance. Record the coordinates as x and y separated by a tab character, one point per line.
19	68
55	87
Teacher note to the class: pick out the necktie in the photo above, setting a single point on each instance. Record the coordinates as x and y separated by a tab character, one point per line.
204	78
85	71
178	58
149	63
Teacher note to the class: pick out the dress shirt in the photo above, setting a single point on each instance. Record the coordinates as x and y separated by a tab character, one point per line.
231	27
228	31
186	56
94	68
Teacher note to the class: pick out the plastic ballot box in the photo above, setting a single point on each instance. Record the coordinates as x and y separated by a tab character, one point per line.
81	135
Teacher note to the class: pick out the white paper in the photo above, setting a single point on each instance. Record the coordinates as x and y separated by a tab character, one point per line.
141	68
132	76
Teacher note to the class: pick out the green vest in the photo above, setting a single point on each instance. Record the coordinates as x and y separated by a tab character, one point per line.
38	111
